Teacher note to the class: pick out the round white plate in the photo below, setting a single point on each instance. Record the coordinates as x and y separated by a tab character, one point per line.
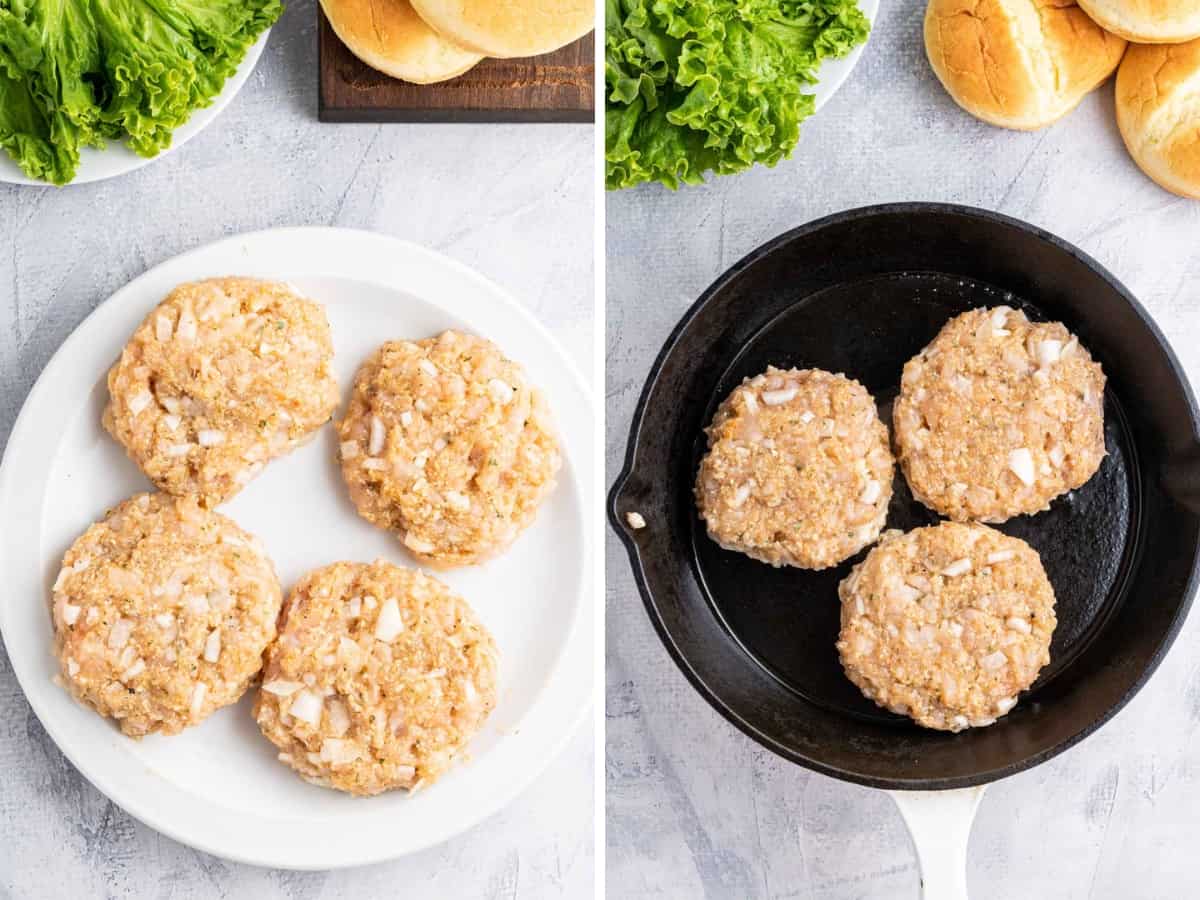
218	786
117	159
834	72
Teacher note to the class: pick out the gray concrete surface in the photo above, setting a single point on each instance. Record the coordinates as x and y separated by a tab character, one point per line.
516	203
697	810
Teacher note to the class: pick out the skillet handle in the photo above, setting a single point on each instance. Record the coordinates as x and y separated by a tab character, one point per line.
940	825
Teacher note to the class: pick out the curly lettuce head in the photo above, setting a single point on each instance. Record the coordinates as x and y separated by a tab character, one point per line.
695	86
77	73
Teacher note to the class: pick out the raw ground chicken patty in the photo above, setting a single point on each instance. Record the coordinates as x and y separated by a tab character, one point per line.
380	677
998	416
222	377
446	444
162	612
947	624
798	470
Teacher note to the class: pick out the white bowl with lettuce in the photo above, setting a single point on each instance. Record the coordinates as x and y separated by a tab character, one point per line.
696	88
92	89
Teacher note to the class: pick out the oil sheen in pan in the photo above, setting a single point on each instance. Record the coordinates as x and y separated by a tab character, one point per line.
787	619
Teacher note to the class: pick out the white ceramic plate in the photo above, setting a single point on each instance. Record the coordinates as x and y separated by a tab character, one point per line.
117	159
834	72
218	786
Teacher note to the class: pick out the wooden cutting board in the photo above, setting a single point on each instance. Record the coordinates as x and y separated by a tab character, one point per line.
556	87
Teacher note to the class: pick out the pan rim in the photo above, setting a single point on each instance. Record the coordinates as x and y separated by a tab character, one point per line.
699	684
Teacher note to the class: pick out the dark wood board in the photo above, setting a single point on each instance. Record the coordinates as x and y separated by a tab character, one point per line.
557	87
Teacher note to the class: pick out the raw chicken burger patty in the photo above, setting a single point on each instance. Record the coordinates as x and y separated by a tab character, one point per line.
378	680
447	444
162	612
223	376
947	624
998	416
798	470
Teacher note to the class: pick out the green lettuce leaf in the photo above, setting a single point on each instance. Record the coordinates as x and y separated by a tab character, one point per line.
78	73
696	86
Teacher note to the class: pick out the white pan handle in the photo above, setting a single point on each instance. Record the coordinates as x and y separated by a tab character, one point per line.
940	825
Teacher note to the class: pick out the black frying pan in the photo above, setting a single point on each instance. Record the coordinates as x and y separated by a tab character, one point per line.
861	292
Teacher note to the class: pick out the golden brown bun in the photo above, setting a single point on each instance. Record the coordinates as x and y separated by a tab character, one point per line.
1018	63
389	36
507	28
1147	21
1158	112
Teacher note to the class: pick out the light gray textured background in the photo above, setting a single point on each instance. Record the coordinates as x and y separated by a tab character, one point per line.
516	203
694	808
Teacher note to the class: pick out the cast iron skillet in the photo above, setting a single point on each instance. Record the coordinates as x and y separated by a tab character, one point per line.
861	292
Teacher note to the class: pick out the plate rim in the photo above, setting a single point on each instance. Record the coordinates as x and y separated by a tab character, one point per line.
197	121
580	469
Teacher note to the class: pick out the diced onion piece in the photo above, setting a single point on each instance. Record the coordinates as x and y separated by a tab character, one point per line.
138	402
406	418
72	668
187	325
118	635
164	620
281	687
871	492
1000	316
306	706
502	391
1000	556
1048	352
958	567
458	501
378	436
338	752
1016	623
349	449
212	647
994	661
635	520
198	693
428	368
1057	456
740	496
135	670
904	593
172	422
751	402
1020	461
354	607
780	397
163	328
339	717
70	613
374	463
414	543
210	437
390	624
1004	704
177	450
